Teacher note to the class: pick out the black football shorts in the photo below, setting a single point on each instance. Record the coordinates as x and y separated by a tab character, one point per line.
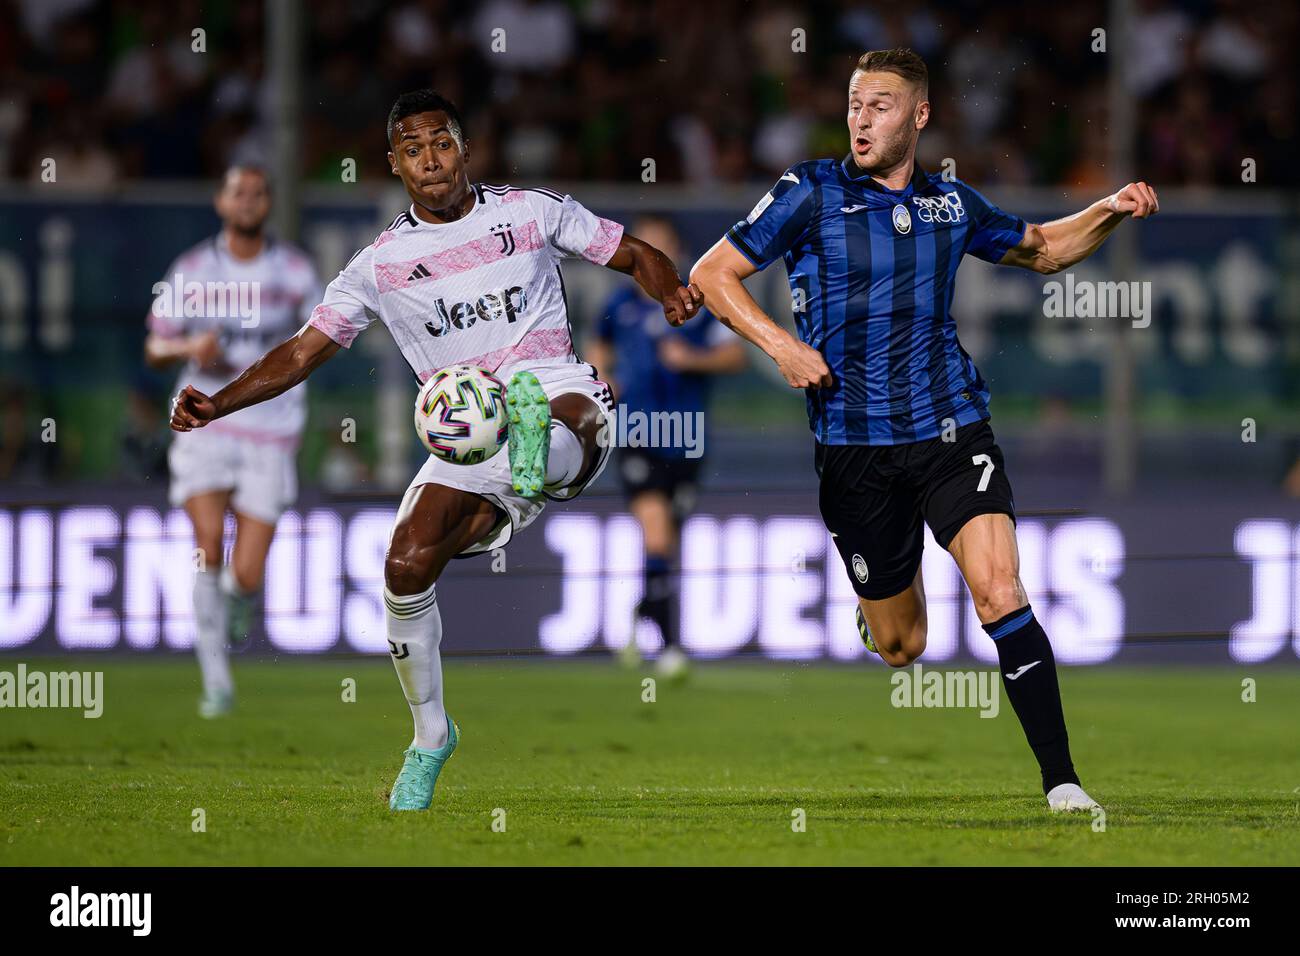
874	497
676	477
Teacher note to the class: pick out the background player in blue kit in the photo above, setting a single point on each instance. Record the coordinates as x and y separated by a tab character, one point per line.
900	413
653	368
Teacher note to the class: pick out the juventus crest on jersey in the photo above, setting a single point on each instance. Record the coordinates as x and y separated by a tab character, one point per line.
484	290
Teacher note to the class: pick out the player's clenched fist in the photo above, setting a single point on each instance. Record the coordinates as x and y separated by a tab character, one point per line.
683	303
1139	199
191	409
803	366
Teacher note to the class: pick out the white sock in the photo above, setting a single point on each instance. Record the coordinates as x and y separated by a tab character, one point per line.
414	633
564	463
210	640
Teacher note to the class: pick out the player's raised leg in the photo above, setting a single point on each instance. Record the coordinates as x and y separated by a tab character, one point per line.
895	627
529	439
552	442
985	551
434	524
207	514
874	519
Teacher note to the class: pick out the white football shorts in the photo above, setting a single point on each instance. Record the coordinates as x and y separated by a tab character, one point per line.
491	478
259	471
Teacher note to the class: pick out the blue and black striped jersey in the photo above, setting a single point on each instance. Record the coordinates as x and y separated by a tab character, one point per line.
872	274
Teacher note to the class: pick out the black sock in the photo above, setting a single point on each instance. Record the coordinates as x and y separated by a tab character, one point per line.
1029	677
660	590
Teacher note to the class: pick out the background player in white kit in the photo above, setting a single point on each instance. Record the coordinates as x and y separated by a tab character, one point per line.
245	291
469	275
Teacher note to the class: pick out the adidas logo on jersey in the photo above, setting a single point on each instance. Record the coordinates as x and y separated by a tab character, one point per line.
420	273
509	302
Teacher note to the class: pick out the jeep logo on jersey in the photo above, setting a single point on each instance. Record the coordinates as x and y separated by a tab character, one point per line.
945	208
502	232
461	315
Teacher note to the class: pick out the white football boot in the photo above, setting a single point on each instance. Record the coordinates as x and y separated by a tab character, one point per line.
672	664
1070	796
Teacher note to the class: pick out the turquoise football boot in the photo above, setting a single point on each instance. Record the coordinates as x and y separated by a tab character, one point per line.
529	433
864	633
413	788
241	611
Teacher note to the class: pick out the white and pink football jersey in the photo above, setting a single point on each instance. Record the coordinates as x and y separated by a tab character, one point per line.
253	305
484	290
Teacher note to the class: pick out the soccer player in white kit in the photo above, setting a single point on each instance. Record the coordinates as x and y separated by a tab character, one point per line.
220	306
468	275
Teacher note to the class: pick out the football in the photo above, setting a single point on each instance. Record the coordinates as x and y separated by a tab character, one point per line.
460	415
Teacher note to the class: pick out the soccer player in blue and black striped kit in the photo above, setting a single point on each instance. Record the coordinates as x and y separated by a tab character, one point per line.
900	413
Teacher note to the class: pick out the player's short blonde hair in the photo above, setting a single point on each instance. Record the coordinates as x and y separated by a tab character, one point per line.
901	61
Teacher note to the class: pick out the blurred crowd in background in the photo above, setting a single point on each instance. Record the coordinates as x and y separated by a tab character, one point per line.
588	89
719	93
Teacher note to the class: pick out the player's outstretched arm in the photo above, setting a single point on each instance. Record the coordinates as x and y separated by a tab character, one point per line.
277	371
720	275
655	273
1057	245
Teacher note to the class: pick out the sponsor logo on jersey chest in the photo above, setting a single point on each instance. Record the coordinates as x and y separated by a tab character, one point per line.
508	303
946	208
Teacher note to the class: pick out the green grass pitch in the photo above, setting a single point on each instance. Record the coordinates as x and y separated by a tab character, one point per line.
711	772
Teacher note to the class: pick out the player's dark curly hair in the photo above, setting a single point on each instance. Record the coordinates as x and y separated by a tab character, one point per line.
426	101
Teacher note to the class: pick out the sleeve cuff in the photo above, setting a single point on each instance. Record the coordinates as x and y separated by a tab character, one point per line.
733	237
1005	241
334	324
604	243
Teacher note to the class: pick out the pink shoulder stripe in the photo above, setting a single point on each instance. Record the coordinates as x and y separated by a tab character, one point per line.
334	324
604	243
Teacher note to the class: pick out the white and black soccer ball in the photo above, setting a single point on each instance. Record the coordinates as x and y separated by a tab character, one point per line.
460	414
